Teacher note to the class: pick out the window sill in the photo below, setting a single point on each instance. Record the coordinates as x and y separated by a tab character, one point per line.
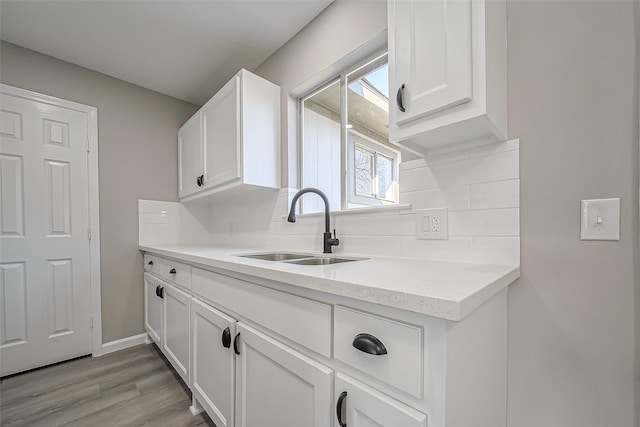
401	209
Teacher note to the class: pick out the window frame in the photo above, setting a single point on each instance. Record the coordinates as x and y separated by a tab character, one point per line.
362	68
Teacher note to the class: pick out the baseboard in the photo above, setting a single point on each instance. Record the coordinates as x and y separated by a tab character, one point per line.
123	343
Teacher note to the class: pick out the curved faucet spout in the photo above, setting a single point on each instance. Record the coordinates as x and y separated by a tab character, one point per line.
328	241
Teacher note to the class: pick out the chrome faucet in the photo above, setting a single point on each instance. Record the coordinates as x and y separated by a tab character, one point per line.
328	240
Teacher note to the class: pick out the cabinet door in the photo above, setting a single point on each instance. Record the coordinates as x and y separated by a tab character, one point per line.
363	406
190	156
175	337
430	54
152	309
277	386
213	362
221	130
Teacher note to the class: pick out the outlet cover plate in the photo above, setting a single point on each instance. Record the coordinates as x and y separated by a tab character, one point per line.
432	224
600	219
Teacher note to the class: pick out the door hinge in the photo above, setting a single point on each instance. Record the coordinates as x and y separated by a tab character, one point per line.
91	322
89	233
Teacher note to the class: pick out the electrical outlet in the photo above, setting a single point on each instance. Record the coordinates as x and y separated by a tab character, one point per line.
431	224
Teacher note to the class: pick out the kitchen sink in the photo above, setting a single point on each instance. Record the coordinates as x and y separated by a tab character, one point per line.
275	256
320	261
299	259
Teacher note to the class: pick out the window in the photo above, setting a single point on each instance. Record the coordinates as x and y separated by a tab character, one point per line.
344	140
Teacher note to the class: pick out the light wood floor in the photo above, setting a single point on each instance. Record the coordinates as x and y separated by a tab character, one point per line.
132	387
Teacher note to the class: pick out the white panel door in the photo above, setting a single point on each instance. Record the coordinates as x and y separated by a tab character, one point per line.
221	130
430	54
175	331
153	308
277	386
361	406
213	362
45	296
190	163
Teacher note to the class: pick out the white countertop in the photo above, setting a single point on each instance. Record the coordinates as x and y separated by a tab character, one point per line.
447	290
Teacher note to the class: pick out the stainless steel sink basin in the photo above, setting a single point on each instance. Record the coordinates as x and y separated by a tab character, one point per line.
275	256
320	261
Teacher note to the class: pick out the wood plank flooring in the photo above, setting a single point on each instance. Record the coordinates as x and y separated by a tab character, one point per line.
132	387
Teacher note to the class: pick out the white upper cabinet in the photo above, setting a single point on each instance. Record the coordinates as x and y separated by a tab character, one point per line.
233	141
447	73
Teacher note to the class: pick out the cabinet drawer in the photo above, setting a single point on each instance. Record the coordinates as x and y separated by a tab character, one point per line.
177	272
301	320
401	366
153	264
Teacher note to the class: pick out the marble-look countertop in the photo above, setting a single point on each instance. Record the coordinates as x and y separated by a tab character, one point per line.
448	290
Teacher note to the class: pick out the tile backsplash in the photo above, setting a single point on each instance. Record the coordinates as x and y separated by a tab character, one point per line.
479	186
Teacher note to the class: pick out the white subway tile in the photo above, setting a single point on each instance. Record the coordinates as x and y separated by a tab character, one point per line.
146	206
370	245
496	250
394	225
145	218
416	179
455	249
498	194
489	222
160	218
496	167
454	198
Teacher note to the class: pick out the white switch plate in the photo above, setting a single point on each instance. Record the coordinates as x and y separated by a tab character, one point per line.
431	224
600	219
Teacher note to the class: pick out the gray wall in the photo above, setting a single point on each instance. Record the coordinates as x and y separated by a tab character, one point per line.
573	102
137	131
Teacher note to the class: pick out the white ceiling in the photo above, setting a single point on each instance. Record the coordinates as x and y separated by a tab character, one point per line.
182	48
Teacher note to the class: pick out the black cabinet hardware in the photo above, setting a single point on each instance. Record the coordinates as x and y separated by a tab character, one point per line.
150	263
343	396
200	180
198	183
369	344
161	292
226	338
158	290
400	98
235	344
172	271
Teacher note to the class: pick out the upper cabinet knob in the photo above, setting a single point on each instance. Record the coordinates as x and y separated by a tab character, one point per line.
172	271
150	263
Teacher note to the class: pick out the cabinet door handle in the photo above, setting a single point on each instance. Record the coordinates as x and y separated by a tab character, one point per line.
343	396
161	292
150	263
400	98
158	291
172	271
226	337
235	344
198	182
369	344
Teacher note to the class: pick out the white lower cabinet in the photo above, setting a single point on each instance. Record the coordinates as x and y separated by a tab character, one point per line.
153	308
277	386
213	362
358	405
166	319
175	329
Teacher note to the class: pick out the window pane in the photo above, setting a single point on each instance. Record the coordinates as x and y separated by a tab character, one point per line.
363	166
321	147
384	166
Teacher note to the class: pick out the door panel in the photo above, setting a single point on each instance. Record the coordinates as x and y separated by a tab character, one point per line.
175	331
221	127
278	386
430	55
213	366
152	309
45	300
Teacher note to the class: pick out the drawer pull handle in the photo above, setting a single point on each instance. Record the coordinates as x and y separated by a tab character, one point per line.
158	291
226	338
235	344
161	292
150	263
172	271
343	396
369	344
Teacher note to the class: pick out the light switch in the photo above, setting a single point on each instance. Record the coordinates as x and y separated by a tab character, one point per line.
600	219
